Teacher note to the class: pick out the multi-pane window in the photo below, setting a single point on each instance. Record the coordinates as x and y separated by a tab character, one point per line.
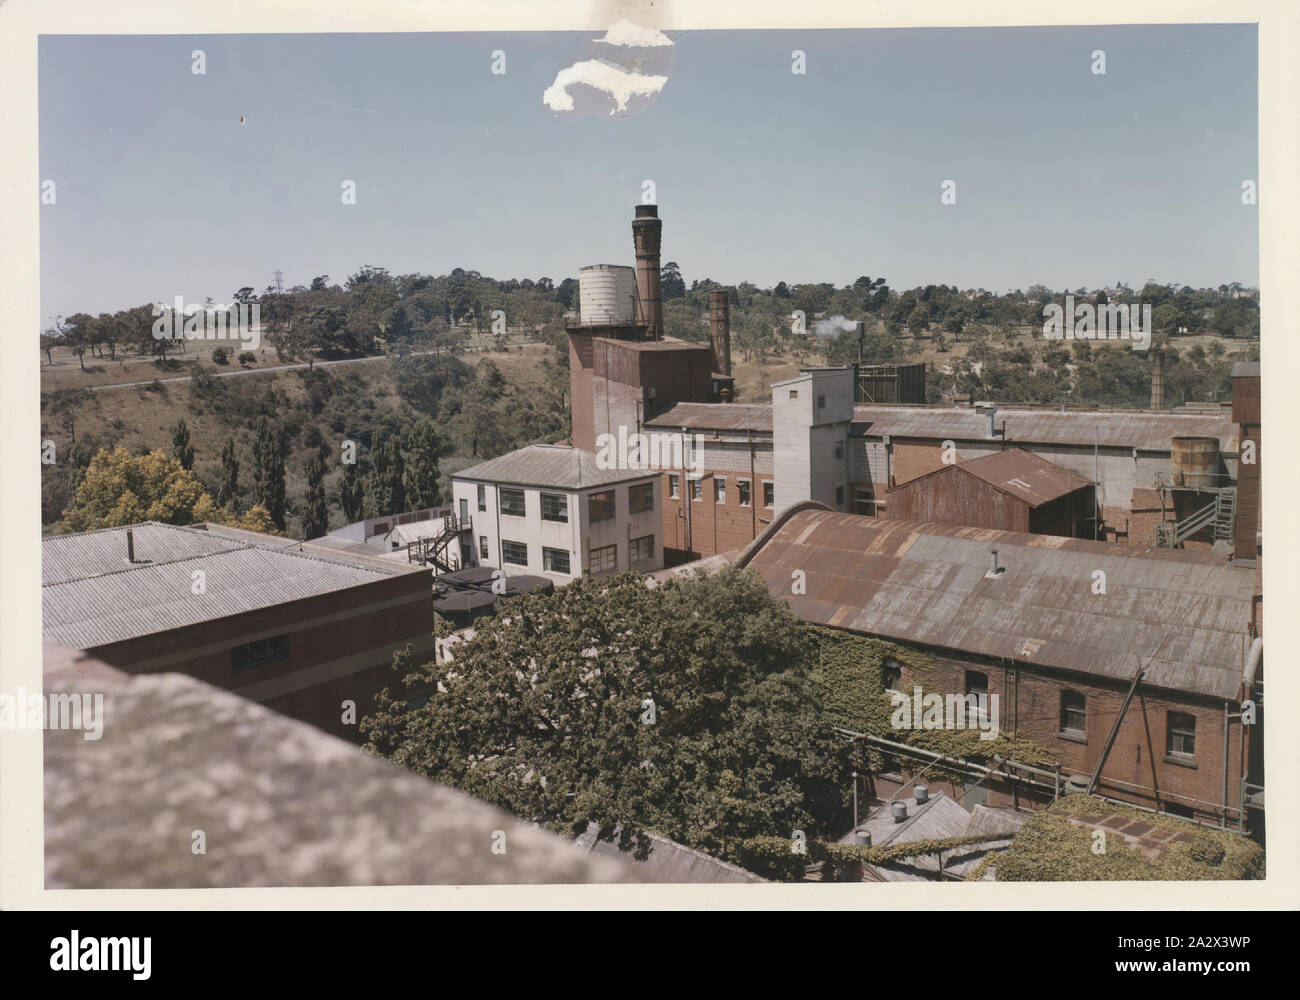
821	401
512	502
1074	712
674	487
555	507
514	553
977	696
1180	735
697	489
260	653
482	497
604	559
555	560
720	489
640	497
742	488
482	546
839	496
839	449
862	500
600	506
641	549
769	494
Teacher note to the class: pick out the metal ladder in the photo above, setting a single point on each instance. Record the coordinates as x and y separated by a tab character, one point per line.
1225	514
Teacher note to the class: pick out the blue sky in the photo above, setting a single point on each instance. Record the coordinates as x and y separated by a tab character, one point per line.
1063	177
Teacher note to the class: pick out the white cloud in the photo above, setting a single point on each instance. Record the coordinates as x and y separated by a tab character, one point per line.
619	83
634	36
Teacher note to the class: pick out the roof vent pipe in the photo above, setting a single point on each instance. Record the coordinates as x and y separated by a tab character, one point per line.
994	568
921	793
130	546
900	811
862	838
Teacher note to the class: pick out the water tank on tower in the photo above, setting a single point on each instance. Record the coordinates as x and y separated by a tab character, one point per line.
606	295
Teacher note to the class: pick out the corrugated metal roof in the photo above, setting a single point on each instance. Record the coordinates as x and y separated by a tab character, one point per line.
100	599
557	466
1150	431
1020	473
667	862
925	584
716	416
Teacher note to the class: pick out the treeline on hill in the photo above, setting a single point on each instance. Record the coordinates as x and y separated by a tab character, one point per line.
977	344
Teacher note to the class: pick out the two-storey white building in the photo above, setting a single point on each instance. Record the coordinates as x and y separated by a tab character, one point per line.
551	510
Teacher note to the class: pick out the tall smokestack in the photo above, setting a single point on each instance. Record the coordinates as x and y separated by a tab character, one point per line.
1157	380
647	234
1246	415
720	329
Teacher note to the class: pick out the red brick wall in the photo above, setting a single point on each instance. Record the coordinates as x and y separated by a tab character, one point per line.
714	527
311	643
1136	769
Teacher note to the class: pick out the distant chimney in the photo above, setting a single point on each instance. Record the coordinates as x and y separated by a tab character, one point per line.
647	235
720	329
900	811
130	546
1157	380
990	411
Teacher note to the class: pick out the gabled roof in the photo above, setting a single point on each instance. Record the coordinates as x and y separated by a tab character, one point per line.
552	465
1184	612
1016	472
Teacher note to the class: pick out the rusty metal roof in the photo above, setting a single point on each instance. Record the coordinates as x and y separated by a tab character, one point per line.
926	584
716	417
1017	472
1148	431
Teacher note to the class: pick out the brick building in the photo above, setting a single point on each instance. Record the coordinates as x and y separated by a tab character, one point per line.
293	626
1060	656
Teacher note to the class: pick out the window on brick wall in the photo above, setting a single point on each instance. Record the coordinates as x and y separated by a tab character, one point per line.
891	674
977	696
697	489
260	653
742	488
1180	735
1074	713
674	487
769	495
720	489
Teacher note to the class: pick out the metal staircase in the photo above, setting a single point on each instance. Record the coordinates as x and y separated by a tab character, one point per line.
437	549
1221	512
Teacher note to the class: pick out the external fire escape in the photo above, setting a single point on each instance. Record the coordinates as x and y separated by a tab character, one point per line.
438	550
1220	514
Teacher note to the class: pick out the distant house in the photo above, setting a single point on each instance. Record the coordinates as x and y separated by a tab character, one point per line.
551	510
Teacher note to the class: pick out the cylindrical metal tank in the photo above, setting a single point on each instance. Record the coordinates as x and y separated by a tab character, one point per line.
606	294
1194	462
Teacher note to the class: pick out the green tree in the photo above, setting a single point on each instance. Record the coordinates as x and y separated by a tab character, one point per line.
387	484
315	518
352	493
690	710
182	450
268	473
228	487
422	472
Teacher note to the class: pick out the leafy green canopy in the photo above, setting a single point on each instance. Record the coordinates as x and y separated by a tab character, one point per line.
689	709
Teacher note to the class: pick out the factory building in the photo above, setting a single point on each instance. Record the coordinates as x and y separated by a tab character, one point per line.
299	628
553	511
1012	490
1020	616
